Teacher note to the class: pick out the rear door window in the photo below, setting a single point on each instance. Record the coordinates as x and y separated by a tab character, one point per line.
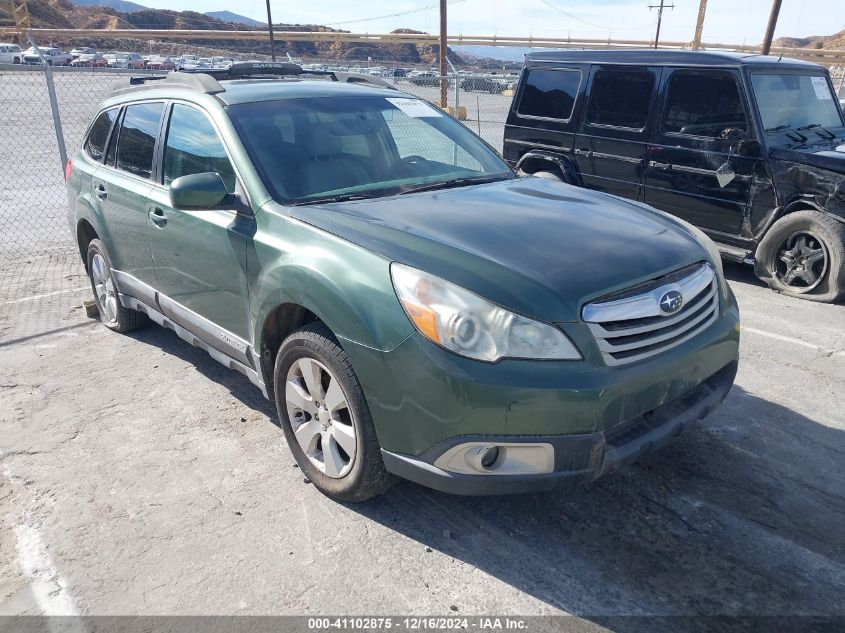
704	103
95	145
621	98
136	144
549	94
193	147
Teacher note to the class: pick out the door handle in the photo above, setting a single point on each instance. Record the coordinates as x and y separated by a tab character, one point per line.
583	151
659	165
158	217
100	191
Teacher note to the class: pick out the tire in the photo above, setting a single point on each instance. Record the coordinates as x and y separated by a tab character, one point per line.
363	476
788	258
112	314
548	175
16	60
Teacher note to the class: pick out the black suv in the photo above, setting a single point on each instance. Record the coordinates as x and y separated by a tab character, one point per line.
749	148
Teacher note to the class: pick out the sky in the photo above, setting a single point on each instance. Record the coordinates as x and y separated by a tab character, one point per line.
727	21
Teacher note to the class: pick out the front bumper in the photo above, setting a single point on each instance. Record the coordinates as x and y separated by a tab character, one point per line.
578	458
425	400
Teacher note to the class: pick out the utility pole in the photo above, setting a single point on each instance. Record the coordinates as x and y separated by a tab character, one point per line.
770	29
443	78
270	27
699	25
659	8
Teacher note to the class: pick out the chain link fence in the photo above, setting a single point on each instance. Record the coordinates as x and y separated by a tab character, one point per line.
37	252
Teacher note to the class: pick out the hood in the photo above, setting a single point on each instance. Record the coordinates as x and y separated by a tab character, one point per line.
820	153
535	246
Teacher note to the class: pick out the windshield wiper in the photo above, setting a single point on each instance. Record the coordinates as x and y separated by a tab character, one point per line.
343	197
449	184
779	128
809	126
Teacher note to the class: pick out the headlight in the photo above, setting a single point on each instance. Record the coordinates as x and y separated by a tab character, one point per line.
464	323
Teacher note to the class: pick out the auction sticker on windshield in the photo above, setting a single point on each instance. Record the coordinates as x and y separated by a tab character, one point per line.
820	86
415	108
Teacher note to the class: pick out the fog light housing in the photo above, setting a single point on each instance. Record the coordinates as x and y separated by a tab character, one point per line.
505	458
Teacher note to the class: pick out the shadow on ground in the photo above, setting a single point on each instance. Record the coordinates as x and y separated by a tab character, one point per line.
741	515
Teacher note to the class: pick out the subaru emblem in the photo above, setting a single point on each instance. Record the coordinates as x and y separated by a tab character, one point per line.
671	302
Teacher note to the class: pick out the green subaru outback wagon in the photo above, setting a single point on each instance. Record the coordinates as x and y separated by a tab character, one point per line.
375	268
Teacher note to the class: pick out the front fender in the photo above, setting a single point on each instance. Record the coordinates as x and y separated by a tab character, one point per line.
344	285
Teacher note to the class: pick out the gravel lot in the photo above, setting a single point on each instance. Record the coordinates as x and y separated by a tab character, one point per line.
137	476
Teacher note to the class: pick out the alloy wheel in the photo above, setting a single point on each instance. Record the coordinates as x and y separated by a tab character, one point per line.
320	416
802	262
104	288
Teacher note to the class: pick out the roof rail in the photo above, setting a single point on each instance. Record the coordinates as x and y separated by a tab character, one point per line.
207	80
198	82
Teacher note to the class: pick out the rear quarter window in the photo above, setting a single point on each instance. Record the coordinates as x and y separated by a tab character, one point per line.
549	94
138	132
95	144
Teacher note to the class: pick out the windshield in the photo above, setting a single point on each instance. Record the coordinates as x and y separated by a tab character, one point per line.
789	101
309	149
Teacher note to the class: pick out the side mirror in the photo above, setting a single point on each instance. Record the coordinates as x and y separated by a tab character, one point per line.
748	147
199	192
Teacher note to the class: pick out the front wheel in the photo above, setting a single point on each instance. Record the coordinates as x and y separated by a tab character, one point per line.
325	417
803	255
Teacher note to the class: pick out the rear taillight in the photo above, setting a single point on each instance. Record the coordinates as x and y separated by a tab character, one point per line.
68	167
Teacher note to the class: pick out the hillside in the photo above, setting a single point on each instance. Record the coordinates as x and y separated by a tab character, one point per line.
835	41
118	5
236	18
63	14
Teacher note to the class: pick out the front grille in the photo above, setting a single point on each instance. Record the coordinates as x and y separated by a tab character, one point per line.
629	327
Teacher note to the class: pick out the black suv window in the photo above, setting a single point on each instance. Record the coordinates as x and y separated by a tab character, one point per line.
136	144
621	98
193	147
704	103
549	93
99	134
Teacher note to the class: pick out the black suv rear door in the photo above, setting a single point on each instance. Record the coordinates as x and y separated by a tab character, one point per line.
703	119
610	148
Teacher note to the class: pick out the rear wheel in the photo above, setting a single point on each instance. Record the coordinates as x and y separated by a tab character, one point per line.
113	315
548	175
803	255
325	417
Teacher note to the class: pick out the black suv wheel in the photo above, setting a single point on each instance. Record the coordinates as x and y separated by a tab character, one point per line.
803	255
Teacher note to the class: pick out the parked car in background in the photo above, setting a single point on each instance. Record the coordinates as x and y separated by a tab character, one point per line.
10	54
82	50
749	148
125	60
376	268
482	84
160	63
427	79
51	56
95	60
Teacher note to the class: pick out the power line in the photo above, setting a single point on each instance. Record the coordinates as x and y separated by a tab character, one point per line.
393	15
603	27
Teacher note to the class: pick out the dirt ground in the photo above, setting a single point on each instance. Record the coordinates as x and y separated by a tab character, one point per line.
137	476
